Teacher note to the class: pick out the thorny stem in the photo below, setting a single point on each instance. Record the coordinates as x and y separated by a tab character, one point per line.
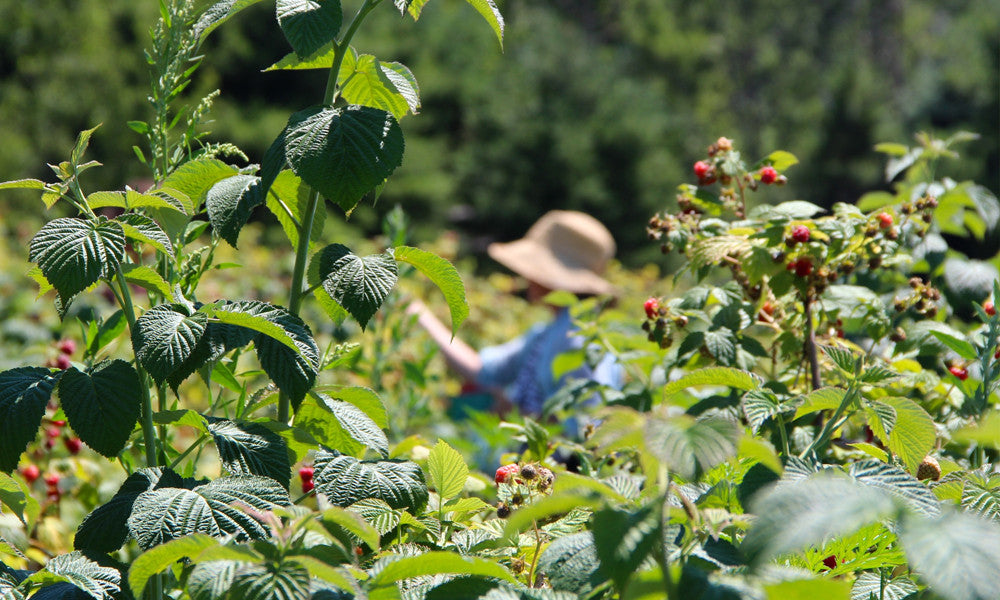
810	343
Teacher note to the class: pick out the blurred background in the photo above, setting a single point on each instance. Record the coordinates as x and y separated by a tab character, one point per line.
596	105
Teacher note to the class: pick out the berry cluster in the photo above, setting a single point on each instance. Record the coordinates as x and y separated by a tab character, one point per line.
63	359
31	473
306	476
923	299
658	324
520	484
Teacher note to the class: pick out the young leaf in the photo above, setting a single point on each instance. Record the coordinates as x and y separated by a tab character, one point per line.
341	152
364	398
346	480
352	522
726	376
101	583
230	203
434	563
377	514
24	394
340	425
957	554
571	563
368	82
359	284
153	561
960	346
147	278
247	448
914	433
981	495
844	359
488	9
73	253
442	274
288	200
808	589
102	404
624	539
827	398
308	24
165	336
447	470
18	498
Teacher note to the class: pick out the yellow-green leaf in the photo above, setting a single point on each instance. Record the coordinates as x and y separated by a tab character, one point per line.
447	470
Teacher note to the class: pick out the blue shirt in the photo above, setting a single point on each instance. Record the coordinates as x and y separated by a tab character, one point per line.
523	366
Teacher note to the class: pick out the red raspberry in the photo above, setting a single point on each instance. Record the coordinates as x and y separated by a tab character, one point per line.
54	495
53	432
989	308
506	473
701	169
885	220
52	480
307	486
59	423
306	473
959	372
996	355
62	362
801	234
803	267
768	175
30	473
652	306
67	346
767	308
830	562
73	444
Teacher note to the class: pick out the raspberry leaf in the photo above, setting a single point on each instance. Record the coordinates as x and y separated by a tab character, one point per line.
102	404
24	393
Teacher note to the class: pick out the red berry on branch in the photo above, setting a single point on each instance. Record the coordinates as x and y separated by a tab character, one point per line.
54	495
307	486
67	346
803	267
59	423
768	175
53	432
52	480
505	473
830	562
960	372
63	362
885	220
73	444
306	473
652	307
701	169
801	234
989	308
30	473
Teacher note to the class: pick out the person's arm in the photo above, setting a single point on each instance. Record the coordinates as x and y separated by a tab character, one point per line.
460	356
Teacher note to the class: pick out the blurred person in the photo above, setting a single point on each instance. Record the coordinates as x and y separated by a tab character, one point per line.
562	251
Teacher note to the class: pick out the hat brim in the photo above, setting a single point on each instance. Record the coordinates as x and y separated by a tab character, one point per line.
536	262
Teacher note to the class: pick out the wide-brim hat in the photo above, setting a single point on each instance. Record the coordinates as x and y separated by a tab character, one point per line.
563	250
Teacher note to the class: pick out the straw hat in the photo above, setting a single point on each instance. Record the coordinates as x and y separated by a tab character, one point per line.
563	250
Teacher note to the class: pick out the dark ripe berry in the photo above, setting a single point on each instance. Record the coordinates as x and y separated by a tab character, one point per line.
996	355
517	499
801	234
989	308
885	220
30	473
803	267
701	169
306	473
768	175
62	362
929	469
961	372
52	479
67	346
307	486
529	472
830	562
73	444
652	306
503	511
505	473
681	321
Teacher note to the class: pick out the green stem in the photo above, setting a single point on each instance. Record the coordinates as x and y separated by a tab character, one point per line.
305	229
835	421
198	442
148	429
784	436
810	342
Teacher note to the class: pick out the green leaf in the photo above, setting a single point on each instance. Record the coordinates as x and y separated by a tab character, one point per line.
346	480
544	509
721	376
24	394
781	160
624	539
488	9
808	589
845	360
165	336
897	482
341	152
273	321
387	86
364	398
869	583
981	495
288	200
155	560
960	346
147	278
320	59
691	447
379	515
447	470
570	563
957	554
353	523
211	580
797	515
17	497
359	284
230	203
795	209
435	563
914	434
131	200
308	24
23	184
985	432
216	15
262	582
101	583
340	425
215	508
73	254
247	448
442	274
194	178
875	200
103	404
105	529
827	398
760	405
